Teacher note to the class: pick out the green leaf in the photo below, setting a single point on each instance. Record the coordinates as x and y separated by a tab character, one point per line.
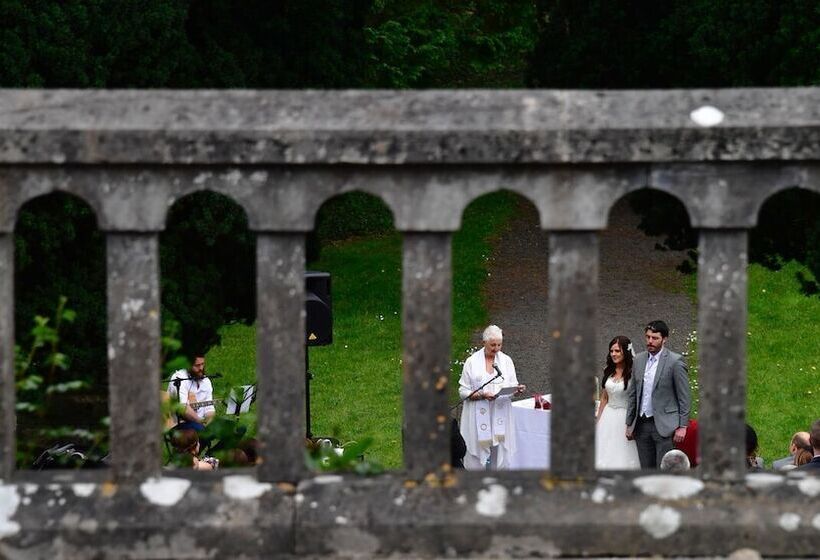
66	387
69	315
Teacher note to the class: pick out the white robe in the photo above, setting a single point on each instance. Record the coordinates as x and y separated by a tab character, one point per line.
473	376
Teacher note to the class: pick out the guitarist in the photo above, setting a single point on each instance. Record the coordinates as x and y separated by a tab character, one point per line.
194	387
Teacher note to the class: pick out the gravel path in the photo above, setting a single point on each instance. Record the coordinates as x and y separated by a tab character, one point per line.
637	284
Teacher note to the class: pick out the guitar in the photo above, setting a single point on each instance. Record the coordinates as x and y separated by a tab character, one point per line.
201	404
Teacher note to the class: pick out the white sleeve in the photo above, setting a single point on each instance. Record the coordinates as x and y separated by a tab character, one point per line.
465	386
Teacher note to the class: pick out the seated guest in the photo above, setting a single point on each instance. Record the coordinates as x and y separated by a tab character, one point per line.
250	447
800	440
192	389
801	457
675	460
753	462
186	445
814	439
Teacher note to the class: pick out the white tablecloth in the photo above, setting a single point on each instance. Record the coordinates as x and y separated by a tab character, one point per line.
532	436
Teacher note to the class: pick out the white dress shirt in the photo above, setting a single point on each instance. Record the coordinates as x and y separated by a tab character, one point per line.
648	383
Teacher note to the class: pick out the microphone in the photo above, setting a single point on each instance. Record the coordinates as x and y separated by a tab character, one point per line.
213	375
498	371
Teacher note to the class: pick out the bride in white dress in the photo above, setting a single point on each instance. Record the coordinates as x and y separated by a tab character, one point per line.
612	450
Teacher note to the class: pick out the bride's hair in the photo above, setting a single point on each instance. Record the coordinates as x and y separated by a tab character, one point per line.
624	344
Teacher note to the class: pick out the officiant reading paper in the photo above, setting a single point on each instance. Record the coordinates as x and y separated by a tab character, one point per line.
487	424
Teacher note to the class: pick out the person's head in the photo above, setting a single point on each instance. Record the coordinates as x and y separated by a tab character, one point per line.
802	456
675	460
814	437
185	442
619	355
251	449
493	339
198	367
655	334
800	440
751	445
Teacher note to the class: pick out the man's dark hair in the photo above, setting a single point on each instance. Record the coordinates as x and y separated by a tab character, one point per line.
815	435
658	327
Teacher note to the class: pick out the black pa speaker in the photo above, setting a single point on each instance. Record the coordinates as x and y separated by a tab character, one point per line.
319	320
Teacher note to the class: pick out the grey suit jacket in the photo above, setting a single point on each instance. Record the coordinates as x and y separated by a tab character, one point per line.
670	393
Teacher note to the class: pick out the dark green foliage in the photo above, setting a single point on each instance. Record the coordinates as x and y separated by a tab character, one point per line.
208	265
60	252
679	44
432	43
91	43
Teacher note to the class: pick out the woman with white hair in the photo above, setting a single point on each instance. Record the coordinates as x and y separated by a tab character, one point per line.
486	422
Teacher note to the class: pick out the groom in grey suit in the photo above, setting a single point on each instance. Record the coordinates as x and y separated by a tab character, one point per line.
658	400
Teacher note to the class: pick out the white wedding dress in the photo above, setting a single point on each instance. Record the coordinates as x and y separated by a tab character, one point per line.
612	450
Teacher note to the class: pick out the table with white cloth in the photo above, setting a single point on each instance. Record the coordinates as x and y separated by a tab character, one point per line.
532	435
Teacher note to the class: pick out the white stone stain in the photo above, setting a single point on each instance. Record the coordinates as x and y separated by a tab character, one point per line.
164	491
789	521
492	502
598	495
659	521
328	479
815	522
83	489
29	489
9	501
399	500
759	481
707	116
341	520
810	486
202	177
244	487
233	177
668	487
259	176
131	307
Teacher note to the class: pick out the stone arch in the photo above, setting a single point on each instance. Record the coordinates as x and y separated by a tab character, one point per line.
228	254
30	193
216	184
367	193
60	274
365	266
474	192
782	304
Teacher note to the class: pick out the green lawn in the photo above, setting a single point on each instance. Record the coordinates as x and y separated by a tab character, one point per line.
356	388
783	358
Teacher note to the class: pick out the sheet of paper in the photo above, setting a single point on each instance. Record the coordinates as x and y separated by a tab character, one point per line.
506	392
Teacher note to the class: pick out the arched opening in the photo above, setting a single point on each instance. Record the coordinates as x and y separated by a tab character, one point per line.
208	271
783	326
646	273
355	397
500	260
61	373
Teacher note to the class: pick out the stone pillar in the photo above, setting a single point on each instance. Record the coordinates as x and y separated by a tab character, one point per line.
280	354
134	354
8	418
722	312
426	320
573	292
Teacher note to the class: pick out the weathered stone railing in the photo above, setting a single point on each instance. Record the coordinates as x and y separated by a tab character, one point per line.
280	155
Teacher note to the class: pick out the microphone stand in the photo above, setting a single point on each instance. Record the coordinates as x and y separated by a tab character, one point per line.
477	390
